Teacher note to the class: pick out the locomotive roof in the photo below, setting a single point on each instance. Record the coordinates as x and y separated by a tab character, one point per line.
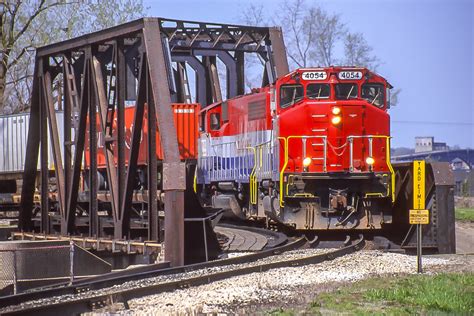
338	69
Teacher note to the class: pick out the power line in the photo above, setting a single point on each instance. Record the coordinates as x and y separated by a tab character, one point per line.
433	123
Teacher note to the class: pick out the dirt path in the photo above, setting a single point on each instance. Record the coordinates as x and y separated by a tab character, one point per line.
465	237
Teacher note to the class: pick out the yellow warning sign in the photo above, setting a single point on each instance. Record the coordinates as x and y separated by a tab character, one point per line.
419	217
419	184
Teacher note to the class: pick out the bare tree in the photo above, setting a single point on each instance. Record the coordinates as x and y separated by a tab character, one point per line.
313	37
298	31
311	34
27	24
358	52
254	14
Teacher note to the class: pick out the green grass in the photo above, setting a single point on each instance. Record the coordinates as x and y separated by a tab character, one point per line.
280	312
464	214
419	294
442	294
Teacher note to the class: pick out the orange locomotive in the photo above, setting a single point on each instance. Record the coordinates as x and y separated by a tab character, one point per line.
186	120
311	151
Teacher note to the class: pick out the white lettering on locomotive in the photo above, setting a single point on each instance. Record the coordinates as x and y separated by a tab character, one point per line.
314	75
350	75
182	111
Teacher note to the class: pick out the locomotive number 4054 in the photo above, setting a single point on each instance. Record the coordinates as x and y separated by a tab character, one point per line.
350	75
314	75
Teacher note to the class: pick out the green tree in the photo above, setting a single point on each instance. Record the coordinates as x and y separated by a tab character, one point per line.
28	24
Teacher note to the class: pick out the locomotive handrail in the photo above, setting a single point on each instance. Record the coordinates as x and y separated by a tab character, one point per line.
286	144
223	161
252	178
350	138
258	164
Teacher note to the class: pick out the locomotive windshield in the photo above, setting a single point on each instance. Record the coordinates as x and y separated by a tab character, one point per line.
373	93
290	94
345	91
318	91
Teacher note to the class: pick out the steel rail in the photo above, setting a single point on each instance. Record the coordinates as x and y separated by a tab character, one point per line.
119	277
279	238
90	303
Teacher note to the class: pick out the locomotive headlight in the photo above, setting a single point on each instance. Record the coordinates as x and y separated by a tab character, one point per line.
370	161
306	162
336	120
336	110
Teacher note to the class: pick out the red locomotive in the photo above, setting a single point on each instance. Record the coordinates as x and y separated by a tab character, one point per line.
311	151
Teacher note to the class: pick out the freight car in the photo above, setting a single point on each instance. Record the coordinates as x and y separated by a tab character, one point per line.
13	139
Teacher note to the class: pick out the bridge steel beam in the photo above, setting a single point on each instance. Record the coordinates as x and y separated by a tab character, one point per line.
93	78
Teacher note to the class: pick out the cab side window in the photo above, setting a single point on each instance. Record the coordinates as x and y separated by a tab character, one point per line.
290	94
215	121
374	94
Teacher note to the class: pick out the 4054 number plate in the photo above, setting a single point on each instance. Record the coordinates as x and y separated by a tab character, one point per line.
314	75
349	75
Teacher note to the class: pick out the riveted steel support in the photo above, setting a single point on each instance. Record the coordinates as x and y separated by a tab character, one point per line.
277	54
124	221
54	135
121	89
200	70
240	69
31	159
70	103
153	220
174	181
93	205
44	160
106	118
99	73
68	221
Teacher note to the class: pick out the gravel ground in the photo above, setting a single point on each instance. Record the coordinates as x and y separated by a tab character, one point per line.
280	287
168	278
257	292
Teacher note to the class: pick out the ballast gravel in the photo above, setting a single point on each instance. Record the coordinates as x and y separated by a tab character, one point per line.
295	254
273	286
278	285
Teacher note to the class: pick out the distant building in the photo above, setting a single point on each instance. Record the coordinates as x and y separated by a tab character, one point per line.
463	177
461	160
427	144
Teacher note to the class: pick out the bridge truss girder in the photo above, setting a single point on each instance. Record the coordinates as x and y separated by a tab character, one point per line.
143	61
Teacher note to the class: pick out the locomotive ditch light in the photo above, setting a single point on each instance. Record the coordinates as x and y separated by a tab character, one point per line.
336	120
306	162
370	161
336	110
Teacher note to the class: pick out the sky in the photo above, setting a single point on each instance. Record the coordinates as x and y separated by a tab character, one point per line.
426	48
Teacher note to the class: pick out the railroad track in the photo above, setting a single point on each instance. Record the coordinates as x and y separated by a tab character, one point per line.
91	296
249	239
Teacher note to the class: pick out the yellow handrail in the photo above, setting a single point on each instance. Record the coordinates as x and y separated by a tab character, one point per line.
390	191
392	172
195	180
286	141
285	146
253	178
